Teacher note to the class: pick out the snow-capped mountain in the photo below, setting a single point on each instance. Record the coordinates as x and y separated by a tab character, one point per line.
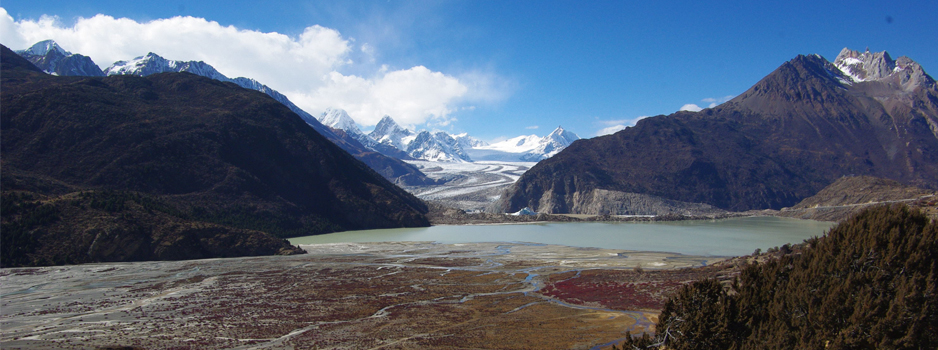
466	142
879	66
53	59
529	148
153	63
389	133
389	163
443	147
388	136
551	144
520	144
339	119
437	147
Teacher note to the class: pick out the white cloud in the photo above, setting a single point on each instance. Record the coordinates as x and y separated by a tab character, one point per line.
306	68
691	107
412	96
532	127
369	52
613	126
713	102
610	129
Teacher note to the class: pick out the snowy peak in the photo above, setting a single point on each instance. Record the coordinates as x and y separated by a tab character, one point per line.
466	142
879	66
53	59
388	132
551	144
44	47
152	63
519	144
563	137
530	148
339	119
391	139
862	66
437	147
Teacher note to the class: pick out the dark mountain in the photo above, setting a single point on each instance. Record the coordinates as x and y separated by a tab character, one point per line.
800	128
49	54
174	149
53	59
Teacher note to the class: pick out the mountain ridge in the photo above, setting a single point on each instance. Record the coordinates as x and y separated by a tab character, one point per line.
784	139
444	147
390	167
209	158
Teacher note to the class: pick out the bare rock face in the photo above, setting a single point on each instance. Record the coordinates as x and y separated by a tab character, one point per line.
879	66
605	202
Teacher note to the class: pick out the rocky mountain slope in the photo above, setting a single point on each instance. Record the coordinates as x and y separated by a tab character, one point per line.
800	128
170	160
850	195
50	54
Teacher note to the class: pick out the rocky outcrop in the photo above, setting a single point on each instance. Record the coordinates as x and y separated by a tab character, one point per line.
605	202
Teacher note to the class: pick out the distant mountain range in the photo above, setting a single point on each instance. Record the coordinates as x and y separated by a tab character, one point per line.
334	124
170	166
391	139
805	125
530	148
51	58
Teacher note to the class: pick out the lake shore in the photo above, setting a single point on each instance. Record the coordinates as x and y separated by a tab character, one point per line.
441	215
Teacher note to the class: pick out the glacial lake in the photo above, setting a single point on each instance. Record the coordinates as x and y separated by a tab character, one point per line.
724	237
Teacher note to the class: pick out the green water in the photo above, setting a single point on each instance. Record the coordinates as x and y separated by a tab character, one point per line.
725	237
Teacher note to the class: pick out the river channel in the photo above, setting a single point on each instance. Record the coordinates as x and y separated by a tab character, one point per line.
724	237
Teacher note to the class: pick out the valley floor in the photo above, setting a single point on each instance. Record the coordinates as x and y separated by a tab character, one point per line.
347	295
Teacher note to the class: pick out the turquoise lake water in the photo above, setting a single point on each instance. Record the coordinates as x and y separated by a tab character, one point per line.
724	237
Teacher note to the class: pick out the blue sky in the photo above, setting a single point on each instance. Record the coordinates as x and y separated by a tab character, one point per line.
496	69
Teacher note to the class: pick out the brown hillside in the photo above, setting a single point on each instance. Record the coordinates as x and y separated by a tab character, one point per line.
790	135
849	195
210	152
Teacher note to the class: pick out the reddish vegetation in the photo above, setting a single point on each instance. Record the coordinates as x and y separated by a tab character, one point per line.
624	289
